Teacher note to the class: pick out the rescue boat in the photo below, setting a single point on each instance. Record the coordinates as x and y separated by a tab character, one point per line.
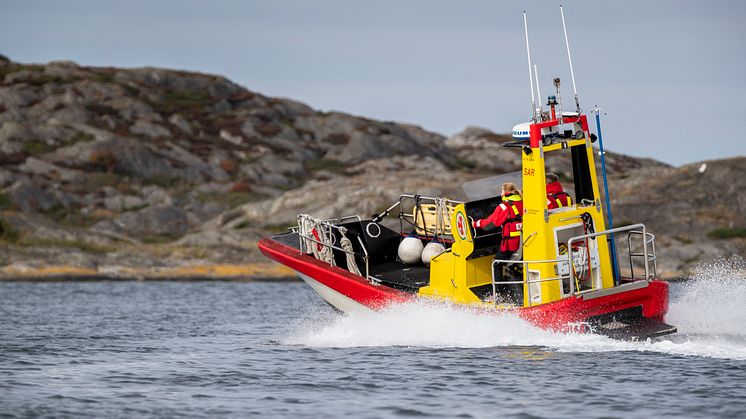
566	275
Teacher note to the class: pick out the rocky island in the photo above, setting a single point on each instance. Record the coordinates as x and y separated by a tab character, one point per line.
150	173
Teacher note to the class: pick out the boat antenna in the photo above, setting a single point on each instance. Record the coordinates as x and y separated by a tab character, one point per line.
602	152
530	76
538	92
569	57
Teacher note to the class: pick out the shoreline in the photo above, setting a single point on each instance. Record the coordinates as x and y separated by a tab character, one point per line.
259	272
219	272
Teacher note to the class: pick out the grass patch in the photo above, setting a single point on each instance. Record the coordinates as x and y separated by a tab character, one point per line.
327	164
104	78
178	101
5	202
277	228
80	137
36	147
75	244
70	216
727	233
162	181
7	233
466	164
691	260
158	239
242	225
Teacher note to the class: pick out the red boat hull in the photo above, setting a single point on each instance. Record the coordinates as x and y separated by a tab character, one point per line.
567	314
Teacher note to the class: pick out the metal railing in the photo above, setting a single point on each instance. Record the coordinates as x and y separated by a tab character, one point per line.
634	230
329	226
524	281
649	239
416	200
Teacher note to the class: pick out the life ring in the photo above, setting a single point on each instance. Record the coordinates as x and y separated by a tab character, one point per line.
371	235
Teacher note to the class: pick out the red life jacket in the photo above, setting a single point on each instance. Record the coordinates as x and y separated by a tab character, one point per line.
507	215
557	197
512	227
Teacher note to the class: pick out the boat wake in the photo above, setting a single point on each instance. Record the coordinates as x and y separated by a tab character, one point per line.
709	311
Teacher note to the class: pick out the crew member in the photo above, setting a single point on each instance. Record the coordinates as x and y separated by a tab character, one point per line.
556	196
507	215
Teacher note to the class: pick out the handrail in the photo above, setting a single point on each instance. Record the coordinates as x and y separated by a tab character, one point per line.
327	223
649	238
415	198
611	231
525	281
633	230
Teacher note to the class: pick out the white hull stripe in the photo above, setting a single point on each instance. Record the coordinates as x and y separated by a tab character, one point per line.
333	297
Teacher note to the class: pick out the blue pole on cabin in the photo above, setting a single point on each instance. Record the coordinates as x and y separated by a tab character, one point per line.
615	265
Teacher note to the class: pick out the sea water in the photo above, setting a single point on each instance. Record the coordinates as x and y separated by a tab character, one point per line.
211	349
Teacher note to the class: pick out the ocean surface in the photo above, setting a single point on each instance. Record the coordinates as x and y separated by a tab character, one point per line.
223	349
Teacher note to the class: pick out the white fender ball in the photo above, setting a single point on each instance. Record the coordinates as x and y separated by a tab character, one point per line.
410	250
431	250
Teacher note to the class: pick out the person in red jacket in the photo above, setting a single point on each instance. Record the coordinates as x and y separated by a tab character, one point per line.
556	196
507	215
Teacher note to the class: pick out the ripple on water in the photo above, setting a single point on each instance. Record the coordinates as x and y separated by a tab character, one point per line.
194	349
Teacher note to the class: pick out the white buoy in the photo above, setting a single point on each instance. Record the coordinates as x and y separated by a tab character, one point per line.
431	250
410	250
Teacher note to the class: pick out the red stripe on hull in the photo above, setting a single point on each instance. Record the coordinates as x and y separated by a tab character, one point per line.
338	279
555	316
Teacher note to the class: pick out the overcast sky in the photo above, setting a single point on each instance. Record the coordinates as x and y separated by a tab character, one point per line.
670	74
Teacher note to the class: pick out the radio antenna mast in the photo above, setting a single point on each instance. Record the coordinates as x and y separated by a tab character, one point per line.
530	76
569	57
538	93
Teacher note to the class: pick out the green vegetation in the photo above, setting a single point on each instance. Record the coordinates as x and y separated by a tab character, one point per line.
77	244
81	137
182	100
158	239
692	259
466	164
104	78
276	228
36	147
327	164
5	202
727	233
7	234
162	181
242	225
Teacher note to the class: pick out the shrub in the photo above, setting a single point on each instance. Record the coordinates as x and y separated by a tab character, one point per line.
242	225
35	147
327	164
179	101
7	233
727	233
5	202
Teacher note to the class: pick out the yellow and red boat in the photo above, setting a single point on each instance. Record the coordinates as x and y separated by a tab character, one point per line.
564	277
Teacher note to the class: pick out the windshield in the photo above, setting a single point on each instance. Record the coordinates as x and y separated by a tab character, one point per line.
490	186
